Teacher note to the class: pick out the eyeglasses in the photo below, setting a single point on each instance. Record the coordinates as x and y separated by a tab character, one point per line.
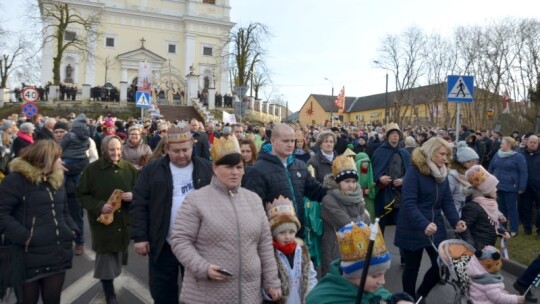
134	134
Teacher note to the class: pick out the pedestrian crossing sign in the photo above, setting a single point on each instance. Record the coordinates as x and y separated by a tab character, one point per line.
460	88
142	99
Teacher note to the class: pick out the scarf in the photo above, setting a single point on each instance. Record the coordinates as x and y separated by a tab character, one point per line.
460	178
353	198
329	157
285	248
503	154
490	207
438	173
487	279
25	137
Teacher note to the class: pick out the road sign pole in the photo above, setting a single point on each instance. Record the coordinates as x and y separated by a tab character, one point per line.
458	118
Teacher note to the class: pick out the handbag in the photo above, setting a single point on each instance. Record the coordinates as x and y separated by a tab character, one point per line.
13	271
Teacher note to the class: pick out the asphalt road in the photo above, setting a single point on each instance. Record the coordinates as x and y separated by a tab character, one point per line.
132	286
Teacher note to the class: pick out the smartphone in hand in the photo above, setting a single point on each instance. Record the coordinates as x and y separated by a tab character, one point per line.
225	272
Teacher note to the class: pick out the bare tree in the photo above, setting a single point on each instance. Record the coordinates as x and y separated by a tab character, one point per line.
247	51
260	79
403	56
67	28
8	60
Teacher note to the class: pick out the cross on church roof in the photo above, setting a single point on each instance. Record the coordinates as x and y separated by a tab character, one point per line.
142	42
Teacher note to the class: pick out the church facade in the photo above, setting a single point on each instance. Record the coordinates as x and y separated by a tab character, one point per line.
176	38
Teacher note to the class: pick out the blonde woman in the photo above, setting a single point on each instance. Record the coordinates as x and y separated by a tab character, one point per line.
510	168
426	193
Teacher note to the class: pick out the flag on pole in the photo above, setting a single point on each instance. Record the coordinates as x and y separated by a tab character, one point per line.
340	100
505	105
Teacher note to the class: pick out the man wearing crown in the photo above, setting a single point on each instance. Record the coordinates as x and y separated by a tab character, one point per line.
157	197
279	173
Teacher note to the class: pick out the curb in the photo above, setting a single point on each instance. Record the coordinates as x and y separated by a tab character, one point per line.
513	267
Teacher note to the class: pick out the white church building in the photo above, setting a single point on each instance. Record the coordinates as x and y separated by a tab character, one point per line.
176	37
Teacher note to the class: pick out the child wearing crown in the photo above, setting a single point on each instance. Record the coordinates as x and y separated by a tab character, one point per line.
342	204
295	268
341	283
486	284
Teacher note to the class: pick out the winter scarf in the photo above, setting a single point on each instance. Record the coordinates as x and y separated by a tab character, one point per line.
491	208
350	198
25	137
503	154
438	173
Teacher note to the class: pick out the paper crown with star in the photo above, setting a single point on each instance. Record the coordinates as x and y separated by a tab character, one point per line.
343	167
281	212
223	146
179	133
353	240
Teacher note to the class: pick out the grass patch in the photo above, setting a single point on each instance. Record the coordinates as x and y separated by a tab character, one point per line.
523	248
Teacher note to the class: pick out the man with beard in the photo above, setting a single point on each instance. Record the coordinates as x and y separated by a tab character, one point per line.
389	165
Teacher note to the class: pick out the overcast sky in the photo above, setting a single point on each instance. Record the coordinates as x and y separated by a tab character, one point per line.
338	40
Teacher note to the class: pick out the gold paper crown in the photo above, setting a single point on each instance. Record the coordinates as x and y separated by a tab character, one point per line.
353	242
280	211
343	164
224	145
391	126
179	133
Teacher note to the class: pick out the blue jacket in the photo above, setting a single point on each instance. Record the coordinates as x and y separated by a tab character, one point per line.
510	171
533	165
423	201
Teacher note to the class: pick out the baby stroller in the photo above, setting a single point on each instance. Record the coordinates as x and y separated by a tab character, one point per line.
454	255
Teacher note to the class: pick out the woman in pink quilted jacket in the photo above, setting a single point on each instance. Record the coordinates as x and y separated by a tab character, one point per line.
486	284
222	237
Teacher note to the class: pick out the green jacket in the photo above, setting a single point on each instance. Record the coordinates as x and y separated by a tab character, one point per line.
334	288
98	181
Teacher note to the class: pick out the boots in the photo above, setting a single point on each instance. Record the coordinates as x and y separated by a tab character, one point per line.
108	289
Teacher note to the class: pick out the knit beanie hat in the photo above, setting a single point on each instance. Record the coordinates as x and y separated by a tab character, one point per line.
343	167
480	179
490	258
466	154
61	125
353	240
282	215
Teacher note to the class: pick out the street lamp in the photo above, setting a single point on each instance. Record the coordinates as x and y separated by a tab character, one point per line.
331	114
385	95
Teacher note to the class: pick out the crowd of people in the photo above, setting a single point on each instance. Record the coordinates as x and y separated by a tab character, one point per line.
259	213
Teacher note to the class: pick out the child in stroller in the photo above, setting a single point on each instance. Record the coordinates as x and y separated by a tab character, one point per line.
486	284
474	273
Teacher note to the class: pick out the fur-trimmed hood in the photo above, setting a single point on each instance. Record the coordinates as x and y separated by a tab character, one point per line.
419	161
330	182
33	174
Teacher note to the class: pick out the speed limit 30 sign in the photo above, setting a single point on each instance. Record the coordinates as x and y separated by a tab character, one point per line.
30	94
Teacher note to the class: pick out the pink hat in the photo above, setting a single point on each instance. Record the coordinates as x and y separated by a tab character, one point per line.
480	179
108	124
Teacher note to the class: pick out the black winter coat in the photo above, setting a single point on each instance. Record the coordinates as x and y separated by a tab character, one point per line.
480	232
150	208
270	179
35	209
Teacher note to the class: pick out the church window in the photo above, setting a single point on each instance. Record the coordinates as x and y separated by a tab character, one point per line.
207	51
209	1
69	35
172	48
109	42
